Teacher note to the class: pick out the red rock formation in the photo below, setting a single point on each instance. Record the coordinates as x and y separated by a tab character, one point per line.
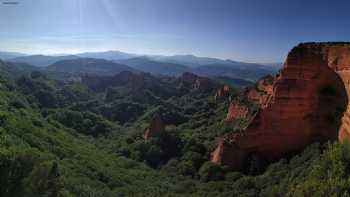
156	128
258	95
223	92
306	103
226	89
236	111
262	92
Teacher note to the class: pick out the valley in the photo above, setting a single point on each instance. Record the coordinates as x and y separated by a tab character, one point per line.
77	128
174	98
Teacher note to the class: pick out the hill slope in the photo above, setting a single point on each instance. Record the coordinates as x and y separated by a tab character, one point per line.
9	55
89	66
67	139
41	60
146	65
108	55
246	71
188	60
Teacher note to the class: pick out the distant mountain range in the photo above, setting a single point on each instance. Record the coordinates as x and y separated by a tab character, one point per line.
46	60
188	60
10	55
108	55
245	71
161	68
90	66
110	62
41	60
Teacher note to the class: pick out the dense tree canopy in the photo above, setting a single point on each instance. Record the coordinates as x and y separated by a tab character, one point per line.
60	138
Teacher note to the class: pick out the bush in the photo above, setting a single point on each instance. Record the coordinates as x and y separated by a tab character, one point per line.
44	180
46	99
330	177
211	172
84	122
24	174
35	74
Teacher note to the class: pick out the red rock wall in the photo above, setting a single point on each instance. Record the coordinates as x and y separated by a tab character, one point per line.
236	111
339	60
263	91
259	95
306	104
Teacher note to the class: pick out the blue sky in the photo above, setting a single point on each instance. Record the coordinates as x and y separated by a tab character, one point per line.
246	30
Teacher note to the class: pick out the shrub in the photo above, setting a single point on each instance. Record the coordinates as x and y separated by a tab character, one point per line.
211	172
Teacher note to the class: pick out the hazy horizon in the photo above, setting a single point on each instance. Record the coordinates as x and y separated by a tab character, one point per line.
249	31
137	55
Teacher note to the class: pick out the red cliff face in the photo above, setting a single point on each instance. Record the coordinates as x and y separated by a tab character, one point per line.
156	128
258	95
236	111
262	92
307	101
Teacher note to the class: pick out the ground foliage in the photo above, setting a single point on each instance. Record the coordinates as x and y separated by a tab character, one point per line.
60	138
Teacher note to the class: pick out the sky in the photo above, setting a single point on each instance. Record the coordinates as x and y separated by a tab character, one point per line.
244	30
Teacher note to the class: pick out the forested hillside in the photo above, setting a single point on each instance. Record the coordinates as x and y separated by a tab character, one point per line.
85	137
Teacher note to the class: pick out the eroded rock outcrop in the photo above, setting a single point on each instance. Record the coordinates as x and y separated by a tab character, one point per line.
262	91
156	127
306	102
236	111
258	96
222	92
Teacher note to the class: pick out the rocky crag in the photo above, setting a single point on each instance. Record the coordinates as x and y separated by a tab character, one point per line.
257	95
306	102
222	93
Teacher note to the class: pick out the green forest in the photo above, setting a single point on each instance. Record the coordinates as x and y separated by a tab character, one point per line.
61	136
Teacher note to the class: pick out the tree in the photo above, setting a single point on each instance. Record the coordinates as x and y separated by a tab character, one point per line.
211	172
44	180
